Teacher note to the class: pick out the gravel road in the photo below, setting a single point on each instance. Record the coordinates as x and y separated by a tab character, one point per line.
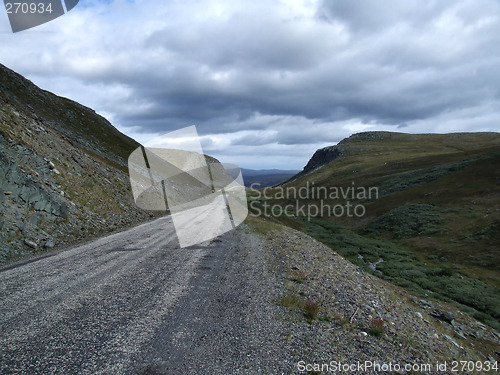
136	303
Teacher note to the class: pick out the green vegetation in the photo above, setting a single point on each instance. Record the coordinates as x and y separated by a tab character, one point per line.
290	300
402	267
262	225
407	180
311	309
376	327
293	301
298	276
409	220
435	227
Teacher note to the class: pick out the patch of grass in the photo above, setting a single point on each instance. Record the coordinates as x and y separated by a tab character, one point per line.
292	301
289	300
298	276
376	327
340	319
311	309
262	225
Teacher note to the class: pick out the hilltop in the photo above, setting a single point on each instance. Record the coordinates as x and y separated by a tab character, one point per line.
63	171
386	146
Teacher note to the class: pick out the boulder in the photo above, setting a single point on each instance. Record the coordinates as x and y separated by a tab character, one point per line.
31	244
444	316
49	244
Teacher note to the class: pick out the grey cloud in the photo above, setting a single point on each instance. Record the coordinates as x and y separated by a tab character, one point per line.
259	40
255	139
223	73
284	77
376	15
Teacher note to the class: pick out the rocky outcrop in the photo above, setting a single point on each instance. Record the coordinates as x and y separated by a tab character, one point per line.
29	190
345	147
323	156
320	158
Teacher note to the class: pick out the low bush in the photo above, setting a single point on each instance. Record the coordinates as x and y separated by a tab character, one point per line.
409	220
376	327
401	267
311	309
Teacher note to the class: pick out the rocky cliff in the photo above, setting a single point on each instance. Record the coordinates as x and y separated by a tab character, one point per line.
63	171
320	158
323	156
353	144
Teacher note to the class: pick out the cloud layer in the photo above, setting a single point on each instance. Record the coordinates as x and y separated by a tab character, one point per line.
266	82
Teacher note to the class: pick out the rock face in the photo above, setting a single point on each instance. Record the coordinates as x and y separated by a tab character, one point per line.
63	171
323	156
30	190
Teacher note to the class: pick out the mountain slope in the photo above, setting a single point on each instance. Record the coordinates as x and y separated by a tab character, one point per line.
63	170
432	225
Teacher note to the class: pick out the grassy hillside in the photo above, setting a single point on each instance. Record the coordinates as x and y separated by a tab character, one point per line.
434	225
86	128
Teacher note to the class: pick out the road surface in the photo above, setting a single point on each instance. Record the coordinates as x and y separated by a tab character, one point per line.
136	303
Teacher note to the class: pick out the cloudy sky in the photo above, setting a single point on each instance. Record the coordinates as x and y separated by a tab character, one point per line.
268	82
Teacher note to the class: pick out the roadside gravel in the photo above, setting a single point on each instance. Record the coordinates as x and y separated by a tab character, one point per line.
362	318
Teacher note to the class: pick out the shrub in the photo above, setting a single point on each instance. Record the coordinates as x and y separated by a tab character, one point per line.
311	309
376	327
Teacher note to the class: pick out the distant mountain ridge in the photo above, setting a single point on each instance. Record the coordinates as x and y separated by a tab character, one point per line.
266	172
265	177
